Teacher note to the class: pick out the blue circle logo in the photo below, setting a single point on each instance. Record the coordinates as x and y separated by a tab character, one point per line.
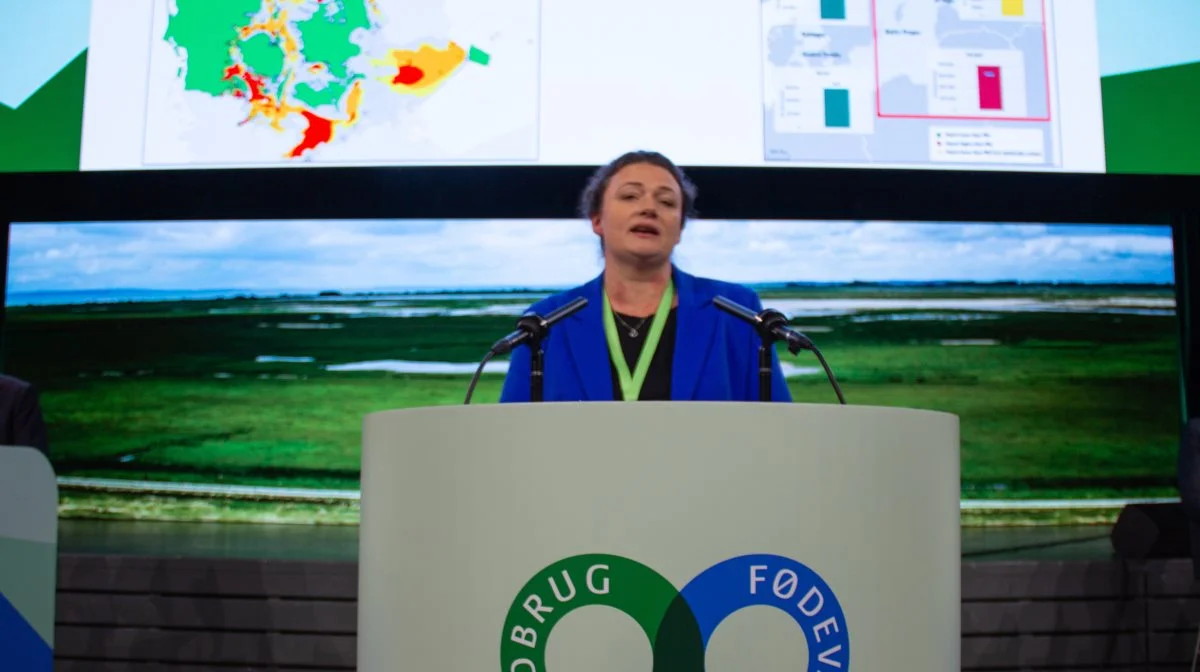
677	622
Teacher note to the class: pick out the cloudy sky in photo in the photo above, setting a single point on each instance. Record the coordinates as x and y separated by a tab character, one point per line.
265	256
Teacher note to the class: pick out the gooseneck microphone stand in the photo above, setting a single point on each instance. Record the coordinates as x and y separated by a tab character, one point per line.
531	330
764	368
765	324
537	328
772	327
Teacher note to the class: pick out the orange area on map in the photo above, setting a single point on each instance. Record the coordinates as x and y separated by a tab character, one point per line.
261	103
277	28
318	130
422	70
353	101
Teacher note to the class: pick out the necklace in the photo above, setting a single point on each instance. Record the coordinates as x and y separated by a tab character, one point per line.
633	331
631	381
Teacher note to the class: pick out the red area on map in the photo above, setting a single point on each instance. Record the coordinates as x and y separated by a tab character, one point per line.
253	82
319	131
408	75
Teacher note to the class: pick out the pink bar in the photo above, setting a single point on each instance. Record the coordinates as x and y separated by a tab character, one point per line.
989	88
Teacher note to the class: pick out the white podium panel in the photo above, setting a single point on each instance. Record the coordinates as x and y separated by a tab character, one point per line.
28	559
720	536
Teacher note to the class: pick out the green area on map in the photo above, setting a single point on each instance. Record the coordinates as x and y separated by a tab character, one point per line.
327	35
204	30
312	96
479	56
262	55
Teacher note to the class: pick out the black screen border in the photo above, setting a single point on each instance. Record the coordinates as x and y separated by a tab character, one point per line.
551	192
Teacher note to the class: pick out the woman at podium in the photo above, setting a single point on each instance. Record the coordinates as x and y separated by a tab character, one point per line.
649	331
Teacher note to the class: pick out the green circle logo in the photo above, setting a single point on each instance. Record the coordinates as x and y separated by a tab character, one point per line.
678	623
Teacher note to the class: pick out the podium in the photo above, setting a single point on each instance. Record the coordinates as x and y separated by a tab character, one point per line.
720	536
28	559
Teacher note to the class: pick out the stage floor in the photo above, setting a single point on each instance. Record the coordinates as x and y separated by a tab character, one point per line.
340	543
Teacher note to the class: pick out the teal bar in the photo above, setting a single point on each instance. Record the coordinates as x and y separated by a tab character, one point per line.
837	108
833	9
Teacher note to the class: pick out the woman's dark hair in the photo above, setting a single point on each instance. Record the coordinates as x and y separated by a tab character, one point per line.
593	193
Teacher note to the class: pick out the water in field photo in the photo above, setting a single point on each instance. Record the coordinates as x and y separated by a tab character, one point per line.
221	370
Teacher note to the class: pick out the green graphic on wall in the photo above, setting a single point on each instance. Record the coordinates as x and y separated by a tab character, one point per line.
1152	120
44	133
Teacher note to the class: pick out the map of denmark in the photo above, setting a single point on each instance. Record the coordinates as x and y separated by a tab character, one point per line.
907	81
341	81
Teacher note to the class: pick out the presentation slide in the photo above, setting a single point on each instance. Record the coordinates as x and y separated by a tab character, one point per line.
1083	86
221	370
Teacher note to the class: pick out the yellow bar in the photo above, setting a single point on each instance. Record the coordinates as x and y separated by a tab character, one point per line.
1012	7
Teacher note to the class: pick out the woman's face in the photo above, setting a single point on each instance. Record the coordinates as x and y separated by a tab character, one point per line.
641	214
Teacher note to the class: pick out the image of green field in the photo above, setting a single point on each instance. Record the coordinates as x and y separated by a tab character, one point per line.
1070	398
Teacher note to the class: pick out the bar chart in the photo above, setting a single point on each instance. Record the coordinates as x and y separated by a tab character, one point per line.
978	84
990	89
817	14
838	100
868	80
837	108
1012	7
993	10
833	10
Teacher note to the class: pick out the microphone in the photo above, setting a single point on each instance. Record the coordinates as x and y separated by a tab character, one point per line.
531	328
770	323
772	326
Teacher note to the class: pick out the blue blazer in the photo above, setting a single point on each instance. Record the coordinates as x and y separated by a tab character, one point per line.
715	356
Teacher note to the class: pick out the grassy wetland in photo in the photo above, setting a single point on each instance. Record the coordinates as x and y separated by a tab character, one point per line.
247	353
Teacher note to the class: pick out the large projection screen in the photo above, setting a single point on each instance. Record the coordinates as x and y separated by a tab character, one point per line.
220	370
1082	86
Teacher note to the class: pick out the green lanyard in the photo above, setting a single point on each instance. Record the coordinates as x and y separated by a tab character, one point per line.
631	384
